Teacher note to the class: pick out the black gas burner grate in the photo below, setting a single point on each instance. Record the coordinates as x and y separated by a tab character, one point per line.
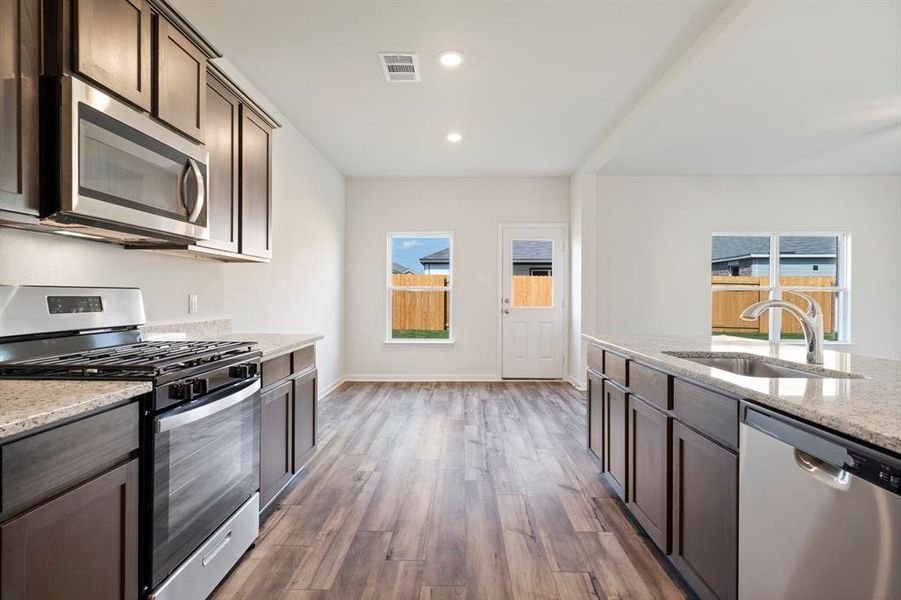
139	360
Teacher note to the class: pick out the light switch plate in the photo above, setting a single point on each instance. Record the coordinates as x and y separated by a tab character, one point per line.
192	303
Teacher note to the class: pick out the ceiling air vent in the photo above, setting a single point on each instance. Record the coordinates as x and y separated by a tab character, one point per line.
400	67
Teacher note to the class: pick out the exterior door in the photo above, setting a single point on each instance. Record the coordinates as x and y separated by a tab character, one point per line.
532	302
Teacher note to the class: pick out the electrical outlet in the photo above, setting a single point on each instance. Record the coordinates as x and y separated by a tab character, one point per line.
192	303
481	280
414	352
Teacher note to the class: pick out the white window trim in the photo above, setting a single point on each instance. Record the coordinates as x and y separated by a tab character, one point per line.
449	288
843	274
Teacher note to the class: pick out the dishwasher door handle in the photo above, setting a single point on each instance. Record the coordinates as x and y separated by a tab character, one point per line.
831	475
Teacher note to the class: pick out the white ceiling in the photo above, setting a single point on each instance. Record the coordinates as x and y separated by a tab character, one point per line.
814	88
541	83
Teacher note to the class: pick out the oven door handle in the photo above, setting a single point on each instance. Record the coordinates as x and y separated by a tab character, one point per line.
205	410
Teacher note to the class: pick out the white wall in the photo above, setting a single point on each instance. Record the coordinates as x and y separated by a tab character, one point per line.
300	291
653	246
472	210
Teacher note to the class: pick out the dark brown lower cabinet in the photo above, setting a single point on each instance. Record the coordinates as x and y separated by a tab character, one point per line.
82	544
705	513
596	415
616	416
305	394
649	470
276	458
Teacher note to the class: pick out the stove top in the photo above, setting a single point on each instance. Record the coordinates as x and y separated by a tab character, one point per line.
140	360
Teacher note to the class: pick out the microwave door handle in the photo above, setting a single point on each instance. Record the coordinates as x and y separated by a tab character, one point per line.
206	410
200	193
196	207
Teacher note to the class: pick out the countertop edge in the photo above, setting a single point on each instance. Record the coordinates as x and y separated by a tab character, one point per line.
48	419
878	439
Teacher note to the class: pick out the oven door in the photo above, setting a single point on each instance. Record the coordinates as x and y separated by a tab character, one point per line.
122	170
206	464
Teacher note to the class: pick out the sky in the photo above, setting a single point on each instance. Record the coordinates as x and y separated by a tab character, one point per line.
408	250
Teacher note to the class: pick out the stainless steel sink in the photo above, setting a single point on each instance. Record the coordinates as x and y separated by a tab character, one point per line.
758	366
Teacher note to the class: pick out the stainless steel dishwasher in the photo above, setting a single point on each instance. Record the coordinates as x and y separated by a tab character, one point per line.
819	515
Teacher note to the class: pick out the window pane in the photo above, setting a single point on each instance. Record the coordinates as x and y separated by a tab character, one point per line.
828	301
809	260
740	260
421	256
728	305
420	315
533	273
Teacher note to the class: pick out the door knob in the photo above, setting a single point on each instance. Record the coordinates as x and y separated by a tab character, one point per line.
506	311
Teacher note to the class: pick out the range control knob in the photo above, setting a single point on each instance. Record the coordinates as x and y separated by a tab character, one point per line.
200	386
239	371
180	391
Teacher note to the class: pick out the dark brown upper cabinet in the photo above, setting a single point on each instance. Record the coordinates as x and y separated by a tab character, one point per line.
223	113
112	45
181	75
20	53
256	186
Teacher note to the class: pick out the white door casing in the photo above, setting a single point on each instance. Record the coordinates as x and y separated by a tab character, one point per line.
533	326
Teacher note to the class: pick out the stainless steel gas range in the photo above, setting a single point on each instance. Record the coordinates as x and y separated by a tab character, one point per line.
200	424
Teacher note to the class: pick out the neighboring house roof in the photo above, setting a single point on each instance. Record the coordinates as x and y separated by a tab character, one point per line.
396	267
524	251
733	247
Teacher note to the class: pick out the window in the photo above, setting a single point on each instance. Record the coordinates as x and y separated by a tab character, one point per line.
419	289
748	268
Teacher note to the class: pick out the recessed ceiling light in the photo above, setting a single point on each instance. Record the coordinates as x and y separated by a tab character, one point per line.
454	137
451	58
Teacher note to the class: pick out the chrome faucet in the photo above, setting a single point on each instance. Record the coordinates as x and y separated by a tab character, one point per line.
811	322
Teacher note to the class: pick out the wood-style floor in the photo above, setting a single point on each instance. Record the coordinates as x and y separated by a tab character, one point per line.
450	490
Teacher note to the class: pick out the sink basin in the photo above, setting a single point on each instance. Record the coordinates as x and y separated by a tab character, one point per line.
758	366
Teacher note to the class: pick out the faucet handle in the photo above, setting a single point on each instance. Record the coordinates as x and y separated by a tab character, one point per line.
813	307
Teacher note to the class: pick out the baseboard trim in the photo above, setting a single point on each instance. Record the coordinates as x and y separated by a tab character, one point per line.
326	391
579	384
400	378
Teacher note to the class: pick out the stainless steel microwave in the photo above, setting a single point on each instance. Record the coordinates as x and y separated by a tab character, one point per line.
117	174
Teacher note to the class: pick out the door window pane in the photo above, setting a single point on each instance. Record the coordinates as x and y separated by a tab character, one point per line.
533	274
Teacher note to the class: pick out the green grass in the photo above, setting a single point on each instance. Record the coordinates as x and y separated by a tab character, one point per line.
423	334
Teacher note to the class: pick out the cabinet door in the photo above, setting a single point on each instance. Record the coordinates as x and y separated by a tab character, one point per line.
256	200
20	25
305	401
649	473
596	416
180	81
705	513
275	440
616	415
222	121
112	46
82	544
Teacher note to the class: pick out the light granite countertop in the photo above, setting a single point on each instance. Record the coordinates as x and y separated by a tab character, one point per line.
28	406
271	344
867	409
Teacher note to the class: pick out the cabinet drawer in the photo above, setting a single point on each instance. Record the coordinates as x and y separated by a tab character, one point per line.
652	385
45	464
616	367
303	359
276	369
710	413
595	359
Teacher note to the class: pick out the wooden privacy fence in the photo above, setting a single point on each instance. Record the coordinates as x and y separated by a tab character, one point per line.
428	310
533	291
728	305
419	310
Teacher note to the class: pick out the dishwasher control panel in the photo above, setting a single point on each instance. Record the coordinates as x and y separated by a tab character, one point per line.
875	472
